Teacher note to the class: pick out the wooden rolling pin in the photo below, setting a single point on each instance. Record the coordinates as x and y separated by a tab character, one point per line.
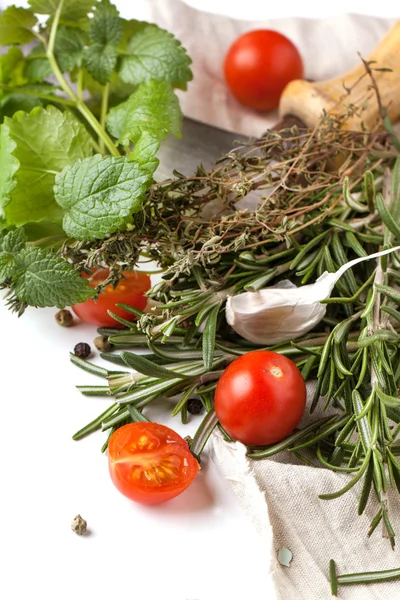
307	101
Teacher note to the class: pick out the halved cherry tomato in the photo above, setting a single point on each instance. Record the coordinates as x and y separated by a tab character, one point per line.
150	463
260	398
130	291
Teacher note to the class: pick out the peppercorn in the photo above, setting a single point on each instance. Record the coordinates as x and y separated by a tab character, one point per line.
64	318
79	525
194	406
102	344
82	350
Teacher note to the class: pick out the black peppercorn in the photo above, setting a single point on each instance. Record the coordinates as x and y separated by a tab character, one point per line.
82	350
194	406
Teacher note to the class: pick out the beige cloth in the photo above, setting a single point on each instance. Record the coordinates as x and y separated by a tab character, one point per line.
329	48
313	530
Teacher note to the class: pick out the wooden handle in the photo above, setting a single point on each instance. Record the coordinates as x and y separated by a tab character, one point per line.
307	101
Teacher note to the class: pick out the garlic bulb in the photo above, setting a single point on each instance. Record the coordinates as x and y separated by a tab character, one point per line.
285	312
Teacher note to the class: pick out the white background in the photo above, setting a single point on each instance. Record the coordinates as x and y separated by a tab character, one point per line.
199	546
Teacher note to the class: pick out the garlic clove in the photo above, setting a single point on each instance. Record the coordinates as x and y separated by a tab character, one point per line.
273	315
284	312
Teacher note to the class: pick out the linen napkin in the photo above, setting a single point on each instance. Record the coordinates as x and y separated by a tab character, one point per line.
280	495
329	47
313	530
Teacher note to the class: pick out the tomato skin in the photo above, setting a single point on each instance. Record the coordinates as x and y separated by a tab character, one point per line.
259	65
150	463
260	398
130	291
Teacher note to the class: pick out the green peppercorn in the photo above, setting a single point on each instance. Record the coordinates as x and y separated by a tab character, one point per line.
64	318
102	344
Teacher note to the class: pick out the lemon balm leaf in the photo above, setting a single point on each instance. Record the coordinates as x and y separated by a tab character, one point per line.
44	142
153	53
99	194
153	108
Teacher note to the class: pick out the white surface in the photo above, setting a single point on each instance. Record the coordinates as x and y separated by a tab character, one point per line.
198	546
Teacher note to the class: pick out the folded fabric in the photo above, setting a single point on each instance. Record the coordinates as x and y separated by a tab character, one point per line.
329	48
314	530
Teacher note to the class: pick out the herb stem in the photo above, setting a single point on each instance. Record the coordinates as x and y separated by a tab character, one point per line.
49	97
79	85
103	114
78	103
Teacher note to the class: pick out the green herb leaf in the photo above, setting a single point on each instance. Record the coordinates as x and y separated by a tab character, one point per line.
10	245
100	62
153	53
105	34
153	108
9	166
106	25
98	194
9	63
7	266
68	49
37	69
144	152
72	10
13	241
16	26
45	141
44	279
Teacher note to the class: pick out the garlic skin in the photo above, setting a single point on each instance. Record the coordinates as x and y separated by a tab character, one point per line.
284	312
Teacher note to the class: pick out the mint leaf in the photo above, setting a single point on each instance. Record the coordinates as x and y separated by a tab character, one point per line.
9	166
44	279
8	63
72	10
16	26
13	102
106	25
37	69
153	53
7	266
69	45
153	108
144	152
105	34
10	245
13	241
98	194
46	140
100	62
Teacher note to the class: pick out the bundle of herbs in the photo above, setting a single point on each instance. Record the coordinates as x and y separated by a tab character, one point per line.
310	219
83	113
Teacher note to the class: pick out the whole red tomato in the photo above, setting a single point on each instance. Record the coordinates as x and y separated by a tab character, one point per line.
150	463
129	290
259	65
260	398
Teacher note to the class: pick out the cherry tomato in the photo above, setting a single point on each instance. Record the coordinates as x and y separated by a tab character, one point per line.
259	65
130	291
260	398
150	463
